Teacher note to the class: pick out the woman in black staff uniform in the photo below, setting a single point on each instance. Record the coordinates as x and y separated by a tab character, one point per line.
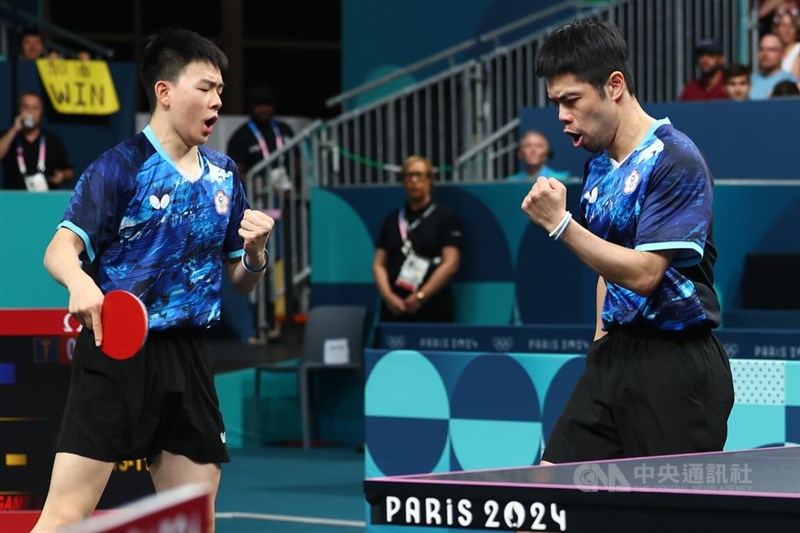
417	253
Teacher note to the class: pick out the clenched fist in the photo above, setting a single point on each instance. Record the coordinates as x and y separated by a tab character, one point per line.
546	202
255	229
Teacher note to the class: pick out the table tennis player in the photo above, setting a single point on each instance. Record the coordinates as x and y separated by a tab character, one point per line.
158	215
657	379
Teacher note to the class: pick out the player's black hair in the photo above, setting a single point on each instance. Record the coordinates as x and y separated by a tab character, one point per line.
167	54
590	49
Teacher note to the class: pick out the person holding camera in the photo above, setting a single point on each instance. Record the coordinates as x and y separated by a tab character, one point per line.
34	159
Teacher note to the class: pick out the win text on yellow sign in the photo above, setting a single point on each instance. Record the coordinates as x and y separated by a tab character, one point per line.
78	87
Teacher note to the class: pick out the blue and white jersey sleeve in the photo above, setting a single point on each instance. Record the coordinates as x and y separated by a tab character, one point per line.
232	247
680	191
94	211
659	198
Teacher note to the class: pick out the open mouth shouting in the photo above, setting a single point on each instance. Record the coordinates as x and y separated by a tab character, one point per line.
577	138
209	125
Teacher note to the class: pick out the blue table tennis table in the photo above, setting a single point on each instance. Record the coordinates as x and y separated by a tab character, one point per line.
751	491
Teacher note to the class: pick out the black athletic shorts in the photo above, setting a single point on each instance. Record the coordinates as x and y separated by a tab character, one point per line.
162	398
646	392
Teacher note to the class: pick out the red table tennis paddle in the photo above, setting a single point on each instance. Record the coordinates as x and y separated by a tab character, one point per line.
124	319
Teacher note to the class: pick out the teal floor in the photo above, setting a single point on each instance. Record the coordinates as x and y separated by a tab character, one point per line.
295	484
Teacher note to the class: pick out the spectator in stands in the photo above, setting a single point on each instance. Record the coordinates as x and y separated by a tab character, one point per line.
417	252
770	11
31	45
710	85
253	142
769	72
787	28
534	152
657	380
33	158
785	88
737	82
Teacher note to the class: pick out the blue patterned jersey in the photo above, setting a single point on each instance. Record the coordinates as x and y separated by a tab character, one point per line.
151	229
659	198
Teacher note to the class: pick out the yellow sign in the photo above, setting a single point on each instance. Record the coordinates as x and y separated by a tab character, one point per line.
16	459
78	87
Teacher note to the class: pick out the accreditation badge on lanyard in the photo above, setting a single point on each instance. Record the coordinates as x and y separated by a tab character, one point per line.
36	182
415	267
279	177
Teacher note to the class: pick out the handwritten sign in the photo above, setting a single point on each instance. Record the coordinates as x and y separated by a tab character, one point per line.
78	87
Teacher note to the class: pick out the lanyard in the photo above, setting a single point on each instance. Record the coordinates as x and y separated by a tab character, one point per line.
23	168
260	138
405	227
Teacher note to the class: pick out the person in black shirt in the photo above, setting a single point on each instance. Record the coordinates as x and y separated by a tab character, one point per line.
417	253
261	135
34	159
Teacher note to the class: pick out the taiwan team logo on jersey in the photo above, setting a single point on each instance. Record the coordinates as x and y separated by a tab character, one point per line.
631	182
222	202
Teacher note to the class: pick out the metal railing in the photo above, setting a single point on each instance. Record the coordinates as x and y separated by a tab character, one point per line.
435	117
281	185
484	160
447	54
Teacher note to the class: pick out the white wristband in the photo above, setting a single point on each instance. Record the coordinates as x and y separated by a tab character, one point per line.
261	269
563	227
567	216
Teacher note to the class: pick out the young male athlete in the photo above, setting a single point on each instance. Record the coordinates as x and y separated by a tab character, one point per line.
657	379
158	215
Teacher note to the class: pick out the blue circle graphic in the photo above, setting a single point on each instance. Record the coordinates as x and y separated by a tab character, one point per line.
496	420
495	387
559	391
407	410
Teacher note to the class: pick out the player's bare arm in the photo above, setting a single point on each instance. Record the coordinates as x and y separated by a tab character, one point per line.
641	272
61	259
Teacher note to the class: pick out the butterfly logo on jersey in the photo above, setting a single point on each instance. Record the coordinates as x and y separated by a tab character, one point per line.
591	196
157	203
221	202
631	182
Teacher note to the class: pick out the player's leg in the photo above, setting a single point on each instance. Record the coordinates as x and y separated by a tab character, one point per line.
170	470
676	395
585	430
189	444
75	488
92	434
